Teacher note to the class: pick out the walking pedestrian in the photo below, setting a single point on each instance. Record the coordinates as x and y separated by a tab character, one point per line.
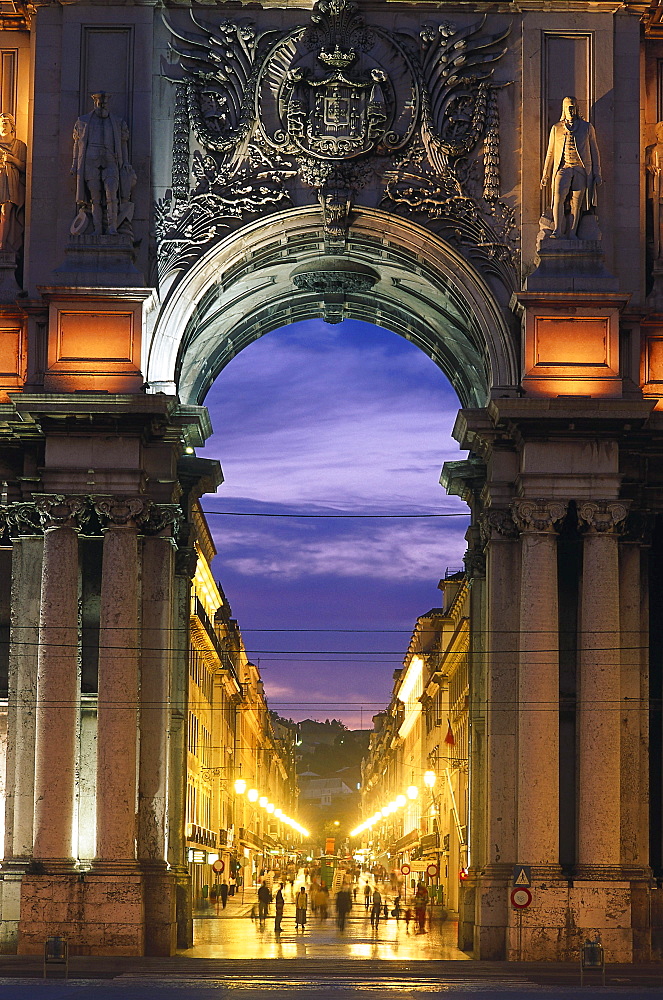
279	907
396	912
264	899
408	918
420	907
343	906
223	893
301	905
367	896
376	909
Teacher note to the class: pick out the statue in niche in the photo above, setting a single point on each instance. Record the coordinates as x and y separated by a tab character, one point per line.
13	156
104	176
573	165
654	168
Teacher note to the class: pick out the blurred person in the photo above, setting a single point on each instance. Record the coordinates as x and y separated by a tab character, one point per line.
420	907
376	908
301	905
279	907
367	895
264	899
223	893
343	906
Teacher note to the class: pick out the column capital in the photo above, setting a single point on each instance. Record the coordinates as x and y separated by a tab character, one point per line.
58	511
638	527
161	516
121	511
497	522
603	517
186	560
538	515
23	519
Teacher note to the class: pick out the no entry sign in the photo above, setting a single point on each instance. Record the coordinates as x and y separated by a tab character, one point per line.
521	898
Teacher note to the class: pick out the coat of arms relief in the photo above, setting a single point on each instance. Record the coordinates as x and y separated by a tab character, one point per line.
339	111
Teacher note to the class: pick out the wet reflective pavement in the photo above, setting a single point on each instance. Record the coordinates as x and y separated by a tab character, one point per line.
240	937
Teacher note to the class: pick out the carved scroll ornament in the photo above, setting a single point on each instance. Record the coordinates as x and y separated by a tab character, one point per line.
538	515
603	516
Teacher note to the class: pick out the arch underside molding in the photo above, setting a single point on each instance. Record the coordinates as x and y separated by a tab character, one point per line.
243	288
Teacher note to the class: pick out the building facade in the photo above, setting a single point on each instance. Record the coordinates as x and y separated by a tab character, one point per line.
415	803
236	749
484	181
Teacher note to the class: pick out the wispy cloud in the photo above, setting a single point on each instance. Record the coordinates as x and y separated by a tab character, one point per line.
316	418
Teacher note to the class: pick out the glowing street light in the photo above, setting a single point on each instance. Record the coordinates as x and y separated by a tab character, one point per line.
412	792
240	786
252	795
429	779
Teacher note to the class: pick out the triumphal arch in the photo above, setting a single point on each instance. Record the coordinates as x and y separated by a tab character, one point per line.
485	179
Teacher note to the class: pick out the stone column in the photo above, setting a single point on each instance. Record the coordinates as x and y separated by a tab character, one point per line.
185	566
21	708
538	685
156	669
117	732
599	688
499	628
57	679
634	692
23	645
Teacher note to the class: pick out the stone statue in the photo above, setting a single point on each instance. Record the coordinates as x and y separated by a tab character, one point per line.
104	176
654	168
13	156
573	165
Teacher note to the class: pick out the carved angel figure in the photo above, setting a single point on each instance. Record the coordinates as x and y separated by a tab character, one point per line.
457	65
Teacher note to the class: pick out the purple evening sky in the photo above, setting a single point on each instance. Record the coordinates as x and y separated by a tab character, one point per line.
322	419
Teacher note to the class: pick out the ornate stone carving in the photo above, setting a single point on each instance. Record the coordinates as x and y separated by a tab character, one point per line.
497	521
334	276
186	560
121	510
538	515
104	176
334	102
57	511
161	516
603	516
219	195
573	166
23	519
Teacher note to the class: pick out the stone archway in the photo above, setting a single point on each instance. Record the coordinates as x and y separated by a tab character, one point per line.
393	273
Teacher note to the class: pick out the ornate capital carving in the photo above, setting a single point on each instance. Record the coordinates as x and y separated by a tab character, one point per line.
160	516
538	515
115	511
23	519
57	511
186	560
603	517
638	527
497	521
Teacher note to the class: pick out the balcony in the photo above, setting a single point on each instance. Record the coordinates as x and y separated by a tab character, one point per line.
202	837
208	627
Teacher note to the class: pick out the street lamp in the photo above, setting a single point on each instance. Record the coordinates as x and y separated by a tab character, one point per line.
240	786
412	792
429	779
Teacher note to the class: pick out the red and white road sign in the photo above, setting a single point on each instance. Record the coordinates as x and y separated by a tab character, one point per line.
218	866
432	870
405	869
521	898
